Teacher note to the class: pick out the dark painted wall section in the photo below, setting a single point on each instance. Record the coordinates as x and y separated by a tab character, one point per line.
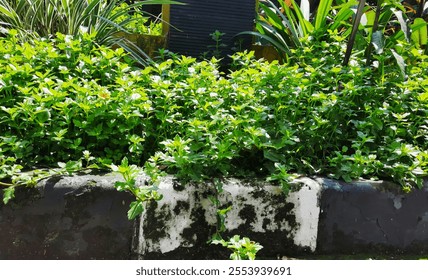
371	219
60	219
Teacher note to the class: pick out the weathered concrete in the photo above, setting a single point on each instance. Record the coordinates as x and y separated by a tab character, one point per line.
372	217
185	219
84	217
79	217
179	225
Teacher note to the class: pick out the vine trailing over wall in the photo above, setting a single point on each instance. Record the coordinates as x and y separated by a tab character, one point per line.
242	248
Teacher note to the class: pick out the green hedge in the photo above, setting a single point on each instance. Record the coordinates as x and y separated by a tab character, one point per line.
62	99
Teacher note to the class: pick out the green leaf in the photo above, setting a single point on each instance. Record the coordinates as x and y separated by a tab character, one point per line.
403	24
377	122
73	166
224	211
121	186
135	209
423	97
114	167
124	163
378	42
8	194
401	63
345	13
273	156
419	31
43	116
322	12
346	178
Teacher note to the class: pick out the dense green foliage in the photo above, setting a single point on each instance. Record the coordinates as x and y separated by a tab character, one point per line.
137	21
369	28
284	23
65	99
242	248
69	102
103	20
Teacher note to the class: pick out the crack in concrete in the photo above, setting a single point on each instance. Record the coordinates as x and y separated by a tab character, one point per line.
383	232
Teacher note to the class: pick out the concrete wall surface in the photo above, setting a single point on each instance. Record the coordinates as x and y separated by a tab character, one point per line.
79	217
84	217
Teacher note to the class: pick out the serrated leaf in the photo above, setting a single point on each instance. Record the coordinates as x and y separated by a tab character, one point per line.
8	194
423	96
124	162
135	209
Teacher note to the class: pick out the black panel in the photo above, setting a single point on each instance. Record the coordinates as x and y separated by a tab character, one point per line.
199	18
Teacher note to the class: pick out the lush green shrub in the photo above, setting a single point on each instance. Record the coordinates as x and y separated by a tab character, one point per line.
64	99
62	96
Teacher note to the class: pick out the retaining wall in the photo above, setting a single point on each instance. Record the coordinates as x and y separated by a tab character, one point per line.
84	217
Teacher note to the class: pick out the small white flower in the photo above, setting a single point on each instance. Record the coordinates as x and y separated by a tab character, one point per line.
135	96
155	78
191	70
201	90
353	63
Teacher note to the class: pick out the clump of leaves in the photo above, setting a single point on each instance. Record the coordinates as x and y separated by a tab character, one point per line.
136	20
242	248
283	24
141	192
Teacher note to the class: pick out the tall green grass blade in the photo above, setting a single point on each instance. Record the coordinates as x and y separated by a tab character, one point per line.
290	18
322	13
302	23
343	16
281	35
